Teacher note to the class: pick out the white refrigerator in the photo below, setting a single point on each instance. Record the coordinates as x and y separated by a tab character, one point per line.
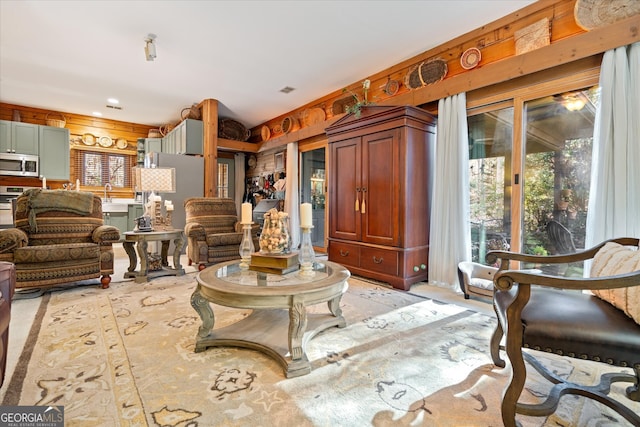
189	183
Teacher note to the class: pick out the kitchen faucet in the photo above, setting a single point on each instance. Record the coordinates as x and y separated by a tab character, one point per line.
107	186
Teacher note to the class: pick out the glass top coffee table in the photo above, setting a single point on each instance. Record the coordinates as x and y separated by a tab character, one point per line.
279	324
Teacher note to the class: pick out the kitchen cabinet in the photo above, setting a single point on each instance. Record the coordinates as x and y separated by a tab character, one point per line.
54	152
152	145
120	220
135	211
145	146
186	138
18	137
379	193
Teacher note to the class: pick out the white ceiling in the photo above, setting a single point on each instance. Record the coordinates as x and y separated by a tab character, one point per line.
71	56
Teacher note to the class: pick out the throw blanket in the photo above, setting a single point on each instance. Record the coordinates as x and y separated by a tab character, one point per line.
615	259
40	200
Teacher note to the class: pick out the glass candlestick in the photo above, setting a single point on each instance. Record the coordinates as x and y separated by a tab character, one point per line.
307	256
246	246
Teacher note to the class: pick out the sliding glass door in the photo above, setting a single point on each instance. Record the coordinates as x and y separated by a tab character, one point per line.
557	171
490	152
530	168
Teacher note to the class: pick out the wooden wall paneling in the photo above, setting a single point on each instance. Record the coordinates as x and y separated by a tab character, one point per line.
495	39
210	140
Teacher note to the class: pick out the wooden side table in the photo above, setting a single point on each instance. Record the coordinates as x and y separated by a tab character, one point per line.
142	239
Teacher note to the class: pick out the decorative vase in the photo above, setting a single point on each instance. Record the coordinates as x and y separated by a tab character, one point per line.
275	237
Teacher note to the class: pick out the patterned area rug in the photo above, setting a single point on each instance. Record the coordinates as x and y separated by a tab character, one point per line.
124	357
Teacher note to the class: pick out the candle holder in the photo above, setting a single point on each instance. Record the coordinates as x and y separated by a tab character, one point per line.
307	256
246	246
167	220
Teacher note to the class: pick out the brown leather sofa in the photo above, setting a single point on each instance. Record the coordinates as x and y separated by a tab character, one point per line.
7	288
213	231
59	237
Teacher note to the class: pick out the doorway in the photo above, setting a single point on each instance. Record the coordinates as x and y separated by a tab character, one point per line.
313	188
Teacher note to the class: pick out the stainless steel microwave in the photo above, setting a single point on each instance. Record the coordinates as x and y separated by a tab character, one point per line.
18	164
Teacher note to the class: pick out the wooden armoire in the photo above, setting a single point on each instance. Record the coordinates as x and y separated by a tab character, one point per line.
379	188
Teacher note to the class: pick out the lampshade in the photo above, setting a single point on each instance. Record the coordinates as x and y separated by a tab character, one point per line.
160	180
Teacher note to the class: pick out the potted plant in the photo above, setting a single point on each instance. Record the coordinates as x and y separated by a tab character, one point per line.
356	108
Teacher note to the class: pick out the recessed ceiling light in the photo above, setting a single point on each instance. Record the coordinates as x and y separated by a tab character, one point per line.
113	101
287	89
97	113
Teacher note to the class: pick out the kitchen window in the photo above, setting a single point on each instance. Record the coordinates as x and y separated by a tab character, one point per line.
96	169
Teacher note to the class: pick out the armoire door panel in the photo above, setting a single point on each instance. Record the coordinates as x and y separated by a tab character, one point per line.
380	192
346	197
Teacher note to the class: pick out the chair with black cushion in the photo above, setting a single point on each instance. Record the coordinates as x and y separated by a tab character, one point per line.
561	238
554	316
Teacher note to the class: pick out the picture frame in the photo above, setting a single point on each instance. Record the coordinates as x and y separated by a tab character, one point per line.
279	161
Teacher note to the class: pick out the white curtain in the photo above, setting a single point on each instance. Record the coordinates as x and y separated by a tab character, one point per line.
292	197
450	233
614	199
240	184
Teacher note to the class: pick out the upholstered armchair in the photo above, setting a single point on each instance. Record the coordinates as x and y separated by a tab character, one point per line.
59	237
555	316
213	231
476	279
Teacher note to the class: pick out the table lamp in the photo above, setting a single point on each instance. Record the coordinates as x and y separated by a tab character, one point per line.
149	181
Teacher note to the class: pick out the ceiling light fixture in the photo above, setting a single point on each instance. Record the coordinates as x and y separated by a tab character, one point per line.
573	102
287	89
150	47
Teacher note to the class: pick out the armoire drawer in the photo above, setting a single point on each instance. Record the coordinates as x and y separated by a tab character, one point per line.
380	260
344	253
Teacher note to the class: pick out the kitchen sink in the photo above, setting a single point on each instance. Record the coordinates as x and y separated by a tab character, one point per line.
114	207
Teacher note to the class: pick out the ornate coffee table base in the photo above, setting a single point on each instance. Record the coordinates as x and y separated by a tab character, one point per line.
278	333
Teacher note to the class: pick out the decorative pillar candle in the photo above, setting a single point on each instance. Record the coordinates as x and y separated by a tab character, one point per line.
305	215
77	185
44	182
247	215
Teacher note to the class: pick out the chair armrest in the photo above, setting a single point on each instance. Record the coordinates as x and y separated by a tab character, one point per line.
196	231
493	256
11	239
106	234
505	279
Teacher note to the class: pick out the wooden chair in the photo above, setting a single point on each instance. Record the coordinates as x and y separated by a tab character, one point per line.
561	238
565	322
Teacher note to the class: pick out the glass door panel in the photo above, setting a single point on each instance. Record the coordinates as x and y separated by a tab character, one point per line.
313	190
490	152
557	172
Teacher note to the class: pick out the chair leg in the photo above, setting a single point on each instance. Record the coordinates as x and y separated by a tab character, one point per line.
516	384
633	392
494	344
105	281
